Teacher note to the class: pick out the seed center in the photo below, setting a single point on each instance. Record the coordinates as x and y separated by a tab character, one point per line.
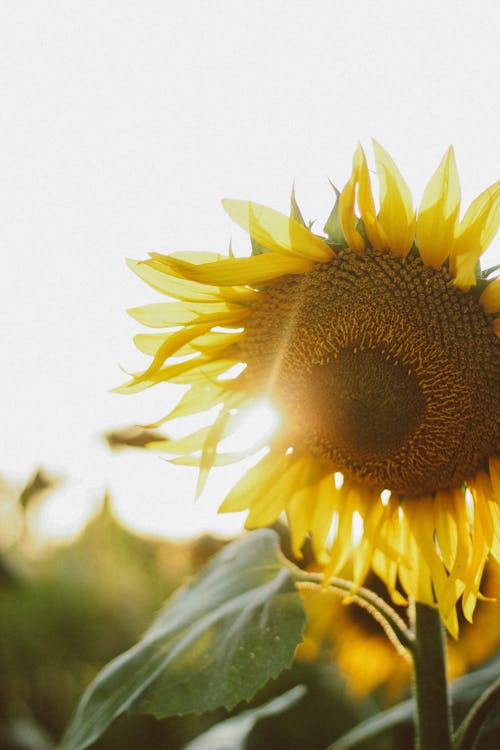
383	368
365	401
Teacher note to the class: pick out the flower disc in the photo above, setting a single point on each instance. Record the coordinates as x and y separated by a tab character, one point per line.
383	367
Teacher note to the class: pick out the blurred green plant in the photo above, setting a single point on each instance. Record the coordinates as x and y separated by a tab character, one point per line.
67	610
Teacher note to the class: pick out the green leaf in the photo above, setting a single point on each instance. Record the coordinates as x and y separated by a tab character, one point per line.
463	691
468	731
232	734
216	643
332	227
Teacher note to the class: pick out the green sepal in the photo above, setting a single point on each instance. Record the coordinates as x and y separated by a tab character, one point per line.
332	228
488	271
257	249
295	211
360	227
217	641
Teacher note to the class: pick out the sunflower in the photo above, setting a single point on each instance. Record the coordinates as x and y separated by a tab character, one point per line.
378	346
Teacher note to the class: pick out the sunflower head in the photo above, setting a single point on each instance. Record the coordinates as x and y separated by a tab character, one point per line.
378	344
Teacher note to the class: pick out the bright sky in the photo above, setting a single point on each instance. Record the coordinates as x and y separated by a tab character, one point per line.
123	125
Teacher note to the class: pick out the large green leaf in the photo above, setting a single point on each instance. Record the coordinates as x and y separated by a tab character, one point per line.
232	734
216	643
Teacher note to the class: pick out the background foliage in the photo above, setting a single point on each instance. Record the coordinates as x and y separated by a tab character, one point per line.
67	610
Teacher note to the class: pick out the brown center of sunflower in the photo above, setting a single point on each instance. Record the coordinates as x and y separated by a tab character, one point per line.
382	367
365	400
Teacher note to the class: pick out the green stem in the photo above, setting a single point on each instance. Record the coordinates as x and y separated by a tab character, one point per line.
433	719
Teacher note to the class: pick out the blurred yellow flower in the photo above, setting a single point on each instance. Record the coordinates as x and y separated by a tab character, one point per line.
356	642
368	660
378	346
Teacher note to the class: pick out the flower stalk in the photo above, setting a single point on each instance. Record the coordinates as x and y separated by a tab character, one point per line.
433	717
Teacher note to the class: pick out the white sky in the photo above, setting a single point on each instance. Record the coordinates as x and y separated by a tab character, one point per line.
124	123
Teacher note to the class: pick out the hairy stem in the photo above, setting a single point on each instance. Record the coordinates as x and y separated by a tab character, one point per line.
433	718
394	626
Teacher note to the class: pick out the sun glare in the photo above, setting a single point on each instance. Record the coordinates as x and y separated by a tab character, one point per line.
338	479
357	528
257	426
385	496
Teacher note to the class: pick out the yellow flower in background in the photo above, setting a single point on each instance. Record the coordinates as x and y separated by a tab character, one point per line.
379	347
357	644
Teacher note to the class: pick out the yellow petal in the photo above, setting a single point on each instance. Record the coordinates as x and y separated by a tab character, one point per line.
372	523
396	215
162	314
170	314
438	213
269	505
277	232
239	294
343	543
421	520
487	512
194	256
366	203
234	271
167	284
482	491
298	510
149	343
199	398
216	341
255	482
474	234
301	506
321	521
490	298
219	459
387	571
459	573
159	275
446	531
209	367
196	370
347	214
183	445
201	439
218	430
414	574
170	347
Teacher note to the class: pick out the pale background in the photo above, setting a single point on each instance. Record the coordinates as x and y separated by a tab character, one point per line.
124	123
